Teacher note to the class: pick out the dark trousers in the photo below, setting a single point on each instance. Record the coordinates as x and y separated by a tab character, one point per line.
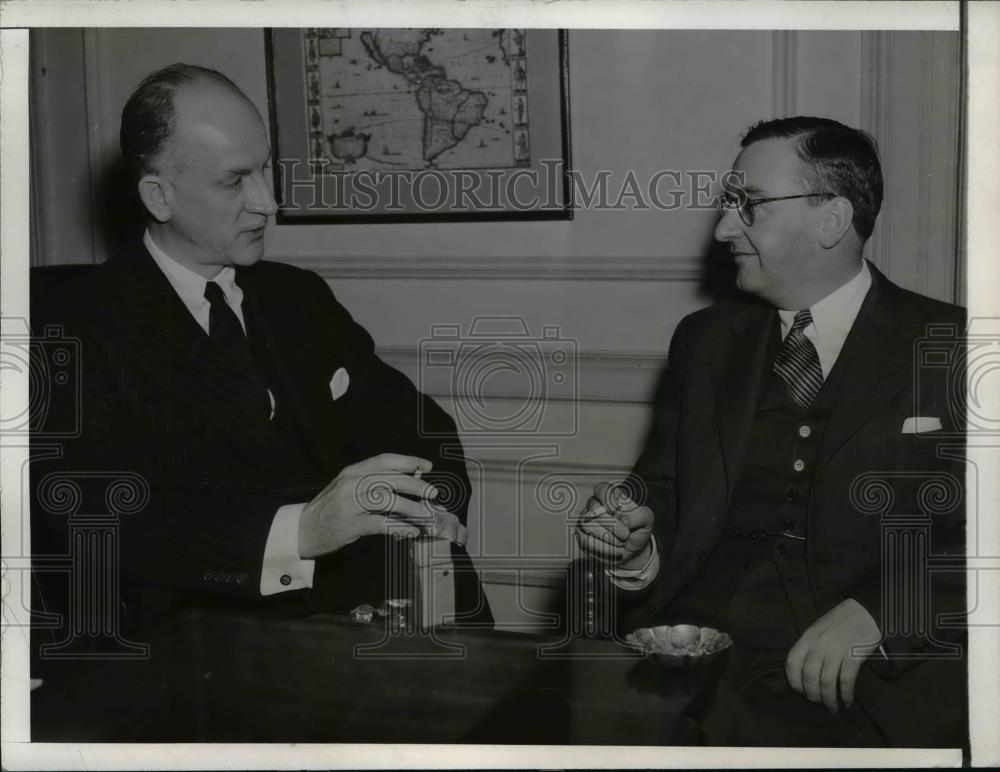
753	705
765	609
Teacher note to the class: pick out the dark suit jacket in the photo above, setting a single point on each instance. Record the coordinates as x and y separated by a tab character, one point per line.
699	440
159	400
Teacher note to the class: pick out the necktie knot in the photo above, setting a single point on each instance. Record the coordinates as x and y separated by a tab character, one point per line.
214	293
802	320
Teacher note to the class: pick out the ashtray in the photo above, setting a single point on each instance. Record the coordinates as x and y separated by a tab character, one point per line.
680	645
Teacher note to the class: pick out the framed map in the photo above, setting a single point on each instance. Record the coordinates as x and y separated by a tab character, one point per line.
376	125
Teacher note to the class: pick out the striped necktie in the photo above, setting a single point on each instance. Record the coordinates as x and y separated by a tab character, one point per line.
797	363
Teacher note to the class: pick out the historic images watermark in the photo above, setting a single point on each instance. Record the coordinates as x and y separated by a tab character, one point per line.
313	187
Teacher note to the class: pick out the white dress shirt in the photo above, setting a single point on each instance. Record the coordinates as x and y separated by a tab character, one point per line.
833	317
190	287
283	569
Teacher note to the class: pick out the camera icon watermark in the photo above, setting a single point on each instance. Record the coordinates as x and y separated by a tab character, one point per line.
52	362
964	365
500	379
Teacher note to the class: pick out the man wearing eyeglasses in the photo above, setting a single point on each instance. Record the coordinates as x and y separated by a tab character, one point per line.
779	497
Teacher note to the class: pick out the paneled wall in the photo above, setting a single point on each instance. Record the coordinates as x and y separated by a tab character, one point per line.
611	284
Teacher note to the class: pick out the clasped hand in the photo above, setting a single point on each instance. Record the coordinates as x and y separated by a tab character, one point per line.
615	529
379	495
830	654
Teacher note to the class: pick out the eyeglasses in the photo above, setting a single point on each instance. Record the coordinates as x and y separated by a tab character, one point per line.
744	205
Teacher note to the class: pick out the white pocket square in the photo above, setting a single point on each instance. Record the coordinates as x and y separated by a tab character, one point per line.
919	424
339	383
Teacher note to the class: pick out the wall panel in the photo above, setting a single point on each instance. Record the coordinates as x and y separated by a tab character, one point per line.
615	283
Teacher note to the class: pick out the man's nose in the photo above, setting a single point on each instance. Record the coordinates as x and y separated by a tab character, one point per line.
729	226
260	199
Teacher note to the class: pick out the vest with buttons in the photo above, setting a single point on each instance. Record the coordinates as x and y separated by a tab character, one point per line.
754	584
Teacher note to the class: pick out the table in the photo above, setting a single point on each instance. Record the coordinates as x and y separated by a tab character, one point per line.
228	677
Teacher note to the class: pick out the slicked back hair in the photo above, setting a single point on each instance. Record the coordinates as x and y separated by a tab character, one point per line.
839	159
149	117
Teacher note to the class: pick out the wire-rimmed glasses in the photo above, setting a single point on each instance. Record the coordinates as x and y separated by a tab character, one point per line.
744	205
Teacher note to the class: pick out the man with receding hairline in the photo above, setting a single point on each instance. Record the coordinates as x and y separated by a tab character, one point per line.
204	183
747	510
280	451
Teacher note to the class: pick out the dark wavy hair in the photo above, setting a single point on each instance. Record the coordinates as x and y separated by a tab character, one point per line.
840	160
149	118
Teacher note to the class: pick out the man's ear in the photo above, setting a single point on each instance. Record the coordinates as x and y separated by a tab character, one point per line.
157	195
838	215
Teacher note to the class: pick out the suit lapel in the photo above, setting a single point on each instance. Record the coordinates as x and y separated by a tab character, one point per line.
275	345
173	345
160	323
876	360
738	367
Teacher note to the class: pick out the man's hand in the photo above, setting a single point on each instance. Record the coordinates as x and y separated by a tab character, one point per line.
615	529
353	504
822	659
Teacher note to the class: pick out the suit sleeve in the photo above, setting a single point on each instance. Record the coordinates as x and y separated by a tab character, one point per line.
385	412
653	478
652	481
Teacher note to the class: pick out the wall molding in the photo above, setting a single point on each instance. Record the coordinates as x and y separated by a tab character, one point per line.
96	85
784	71
538	268
501	469
876	119
959	284
910	103
924	190
40	195
539	571
941	186
601	376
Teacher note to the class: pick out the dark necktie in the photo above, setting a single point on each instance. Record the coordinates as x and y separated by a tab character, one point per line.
797	363
225	330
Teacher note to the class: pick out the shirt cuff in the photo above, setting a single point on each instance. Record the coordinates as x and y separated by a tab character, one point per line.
637	578
283	569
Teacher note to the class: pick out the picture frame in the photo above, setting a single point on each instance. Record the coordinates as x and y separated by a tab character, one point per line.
416	125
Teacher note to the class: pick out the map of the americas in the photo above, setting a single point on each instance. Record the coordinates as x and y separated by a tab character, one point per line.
387	99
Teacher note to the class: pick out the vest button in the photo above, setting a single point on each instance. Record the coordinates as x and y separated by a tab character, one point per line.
792	494
805	431
799	465
788	526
